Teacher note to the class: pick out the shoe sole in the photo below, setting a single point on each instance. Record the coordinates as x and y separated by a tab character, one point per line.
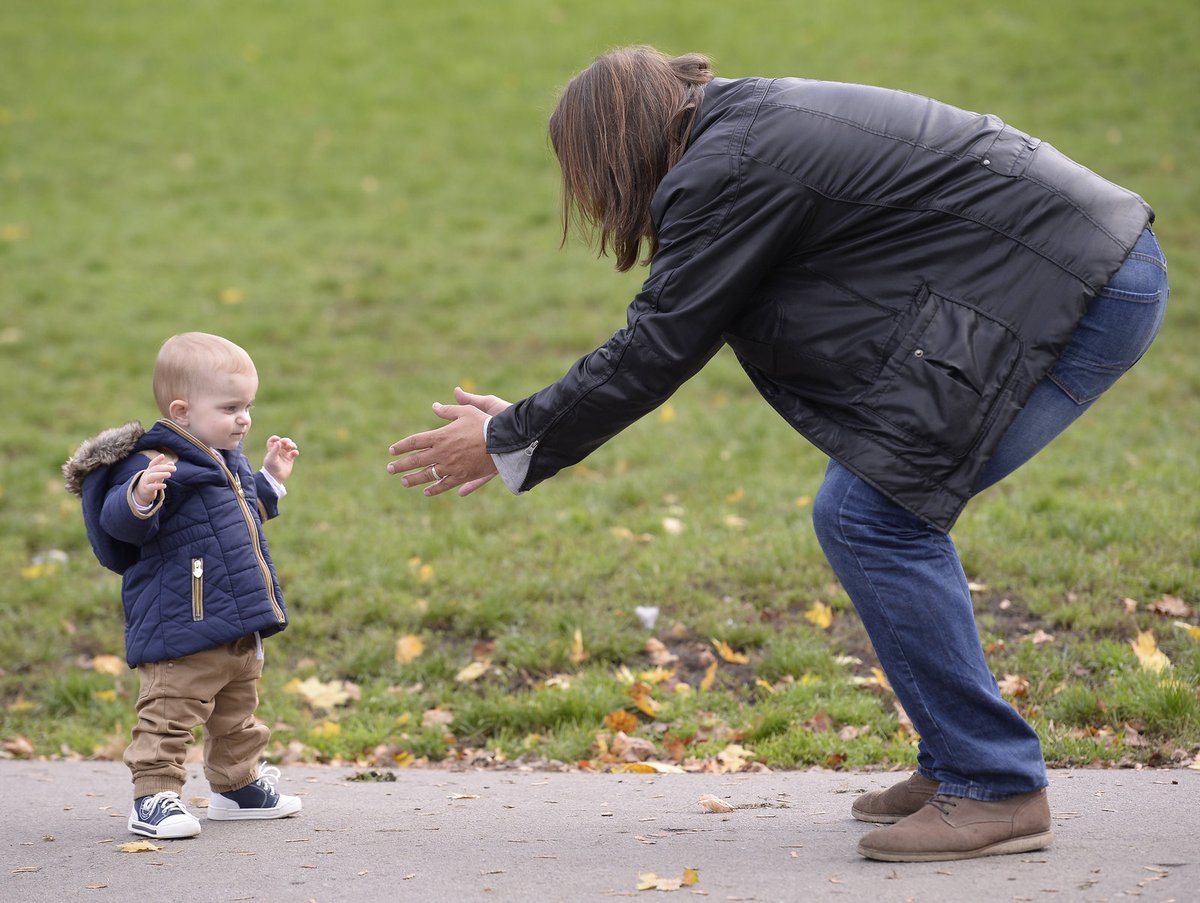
878	818
245	814
1026	844
181	833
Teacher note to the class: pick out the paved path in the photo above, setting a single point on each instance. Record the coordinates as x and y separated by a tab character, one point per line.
436	835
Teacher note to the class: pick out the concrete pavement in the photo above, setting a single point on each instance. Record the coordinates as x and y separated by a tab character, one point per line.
436	835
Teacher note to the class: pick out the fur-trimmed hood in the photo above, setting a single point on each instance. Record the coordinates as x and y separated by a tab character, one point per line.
107	448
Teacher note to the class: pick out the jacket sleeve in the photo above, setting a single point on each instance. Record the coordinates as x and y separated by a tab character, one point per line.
119	516
723	222
267	495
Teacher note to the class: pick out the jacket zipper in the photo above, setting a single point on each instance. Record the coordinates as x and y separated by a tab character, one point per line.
240	494
197	589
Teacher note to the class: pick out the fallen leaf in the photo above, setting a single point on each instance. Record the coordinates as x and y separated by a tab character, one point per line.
138	846
710	674
1190	629
710	803
651	881
726	652
620	720
1172	607
432	717
1145	647
640	694
322	695
462	796
690	877
110	664
472	672
819	614
1013	686
672	526
578	653
408	647
666	414
659	653
733	758
1038	637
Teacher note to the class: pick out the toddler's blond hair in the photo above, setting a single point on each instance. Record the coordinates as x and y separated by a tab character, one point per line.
188	360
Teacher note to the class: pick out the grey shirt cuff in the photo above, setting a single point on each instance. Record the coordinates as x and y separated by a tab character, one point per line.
513	466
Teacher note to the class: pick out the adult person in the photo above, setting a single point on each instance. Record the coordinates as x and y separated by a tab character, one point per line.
927	294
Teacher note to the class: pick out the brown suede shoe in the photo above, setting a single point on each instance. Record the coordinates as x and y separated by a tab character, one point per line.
954	827
884	807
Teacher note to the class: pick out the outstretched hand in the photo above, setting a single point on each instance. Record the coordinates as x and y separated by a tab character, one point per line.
454	455
153	479
281	453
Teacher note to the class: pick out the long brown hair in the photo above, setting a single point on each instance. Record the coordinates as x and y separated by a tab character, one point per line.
620	124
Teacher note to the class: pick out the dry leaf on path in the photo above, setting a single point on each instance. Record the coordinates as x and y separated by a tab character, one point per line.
138	846
462	796
651	881
710	803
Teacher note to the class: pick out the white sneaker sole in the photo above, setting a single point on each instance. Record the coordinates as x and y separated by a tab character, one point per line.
287	806
177	831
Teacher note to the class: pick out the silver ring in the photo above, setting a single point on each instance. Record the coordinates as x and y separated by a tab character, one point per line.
436	475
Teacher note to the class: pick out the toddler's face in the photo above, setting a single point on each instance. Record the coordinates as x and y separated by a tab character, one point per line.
218	413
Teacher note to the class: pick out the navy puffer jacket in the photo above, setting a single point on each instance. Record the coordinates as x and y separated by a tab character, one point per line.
196	568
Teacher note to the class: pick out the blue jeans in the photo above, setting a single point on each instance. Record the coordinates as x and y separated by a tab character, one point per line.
907	583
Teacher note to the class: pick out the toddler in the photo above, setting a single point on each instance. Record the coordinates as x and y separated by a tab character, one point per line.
178	513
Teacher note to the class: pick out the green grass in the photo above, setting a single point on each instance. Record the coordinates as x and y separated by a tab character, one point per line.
363	197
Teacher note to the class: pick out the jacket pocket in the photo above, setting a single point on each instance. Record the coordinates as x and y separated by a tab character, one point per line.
945	375
197	589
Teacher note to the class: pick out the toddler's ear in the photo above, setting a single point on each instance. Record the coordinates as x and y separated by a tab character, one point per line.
178	411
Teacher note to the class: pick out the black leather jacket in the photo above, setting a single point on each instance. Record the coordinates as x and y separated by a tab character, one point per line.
895	275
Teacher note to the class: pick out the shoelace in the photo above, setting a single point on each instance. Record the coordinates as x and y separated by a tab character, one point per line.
268	776
168	799
943	803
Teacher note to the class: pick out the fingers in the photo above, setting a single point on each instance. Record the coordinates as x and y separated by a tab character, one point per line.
467	488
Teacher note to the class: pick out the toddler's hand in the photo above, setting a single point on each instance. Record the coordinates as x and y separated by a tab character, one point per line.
281	452
153	480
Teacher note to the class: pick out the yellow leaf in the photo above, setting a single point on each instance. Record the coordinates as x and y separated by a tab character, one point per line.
1145	647
232	296
819	614
764	685
425	573
710	674
578	653
690	877
472	672
1190	629
736	496
105	695
804	501
636	768
880	678
328	728
138	846
657	676
13	232
651	881
109	664
322	695
727	653
640	694
666	413
408	647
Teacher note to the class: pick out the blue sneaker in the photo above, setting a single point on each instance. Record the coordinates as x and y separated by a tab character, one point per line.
162	816
257	800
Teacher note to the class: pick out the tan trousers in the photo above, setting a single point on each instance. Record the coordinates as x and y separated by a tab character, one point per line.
217	688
